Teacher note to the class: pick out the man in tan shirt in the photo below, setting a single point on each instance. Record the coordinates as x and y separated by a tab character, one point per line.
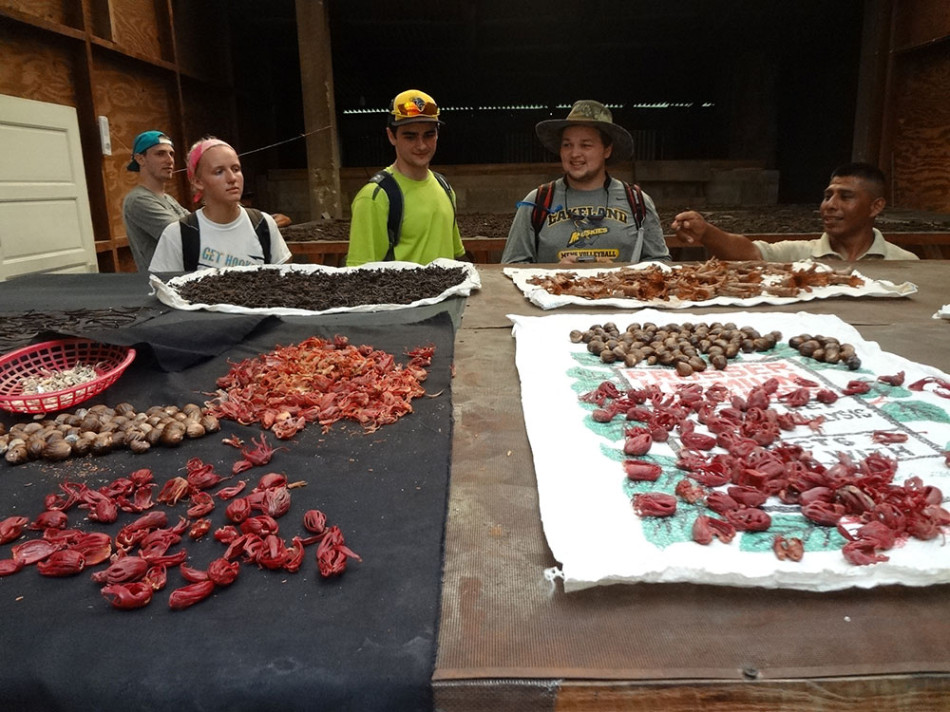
853	199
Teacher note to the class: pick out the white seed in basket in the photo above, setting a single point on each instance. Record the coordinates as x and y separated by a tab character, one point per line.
52	381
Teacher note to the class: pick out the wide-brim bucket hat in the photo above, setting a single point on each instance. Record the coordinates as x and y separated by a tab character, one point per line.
587	112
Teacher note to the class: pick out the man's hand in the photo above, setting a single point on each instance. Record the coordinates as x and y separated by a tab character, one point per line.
690	226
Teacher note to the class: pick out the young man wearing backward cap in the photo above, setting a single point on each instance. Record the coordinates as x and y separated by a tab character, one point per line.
147	208
406	212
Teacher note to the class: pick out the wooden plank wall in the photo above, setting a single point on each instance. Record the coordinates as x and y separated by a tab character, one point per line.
134	62
916	139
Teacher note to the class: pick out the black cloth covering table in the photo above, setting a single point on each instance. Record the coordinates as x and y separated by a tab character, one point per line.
273	640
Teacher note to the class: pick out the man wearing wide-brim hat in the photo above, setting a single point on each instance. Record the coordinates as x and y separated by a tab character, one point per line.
586	215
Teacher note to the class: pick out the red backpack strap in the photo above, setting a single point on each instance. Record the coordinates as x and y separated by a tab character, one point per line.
635	198
542	206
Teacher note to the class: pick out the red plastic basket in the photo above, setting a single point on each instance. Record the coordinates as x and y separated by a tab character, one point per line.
40	359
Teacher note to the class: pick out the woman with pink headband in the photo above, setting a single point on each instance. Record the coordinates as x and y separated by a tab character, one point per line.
222	233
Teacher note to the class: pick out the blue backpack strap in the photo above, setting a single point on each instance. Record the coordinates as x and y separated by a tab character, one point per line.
262	230
190	241
384	181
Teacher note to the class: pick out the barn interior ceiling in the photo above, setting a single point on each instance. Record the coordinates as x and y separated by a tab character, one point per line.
492	55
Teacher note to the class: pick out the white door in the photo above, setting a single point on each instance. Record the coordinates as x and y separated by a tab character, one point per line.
45	225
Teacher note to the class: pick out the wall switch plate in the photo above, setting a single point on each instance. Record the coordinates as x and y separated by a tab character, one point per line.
104	136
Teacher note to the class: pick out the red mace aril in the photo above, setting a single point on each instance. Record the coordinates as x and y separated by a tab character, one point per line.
642	471
29	552
156	576
9	566
862	552
199	528
223	572
638	443
749	519
173	490
67	562
295	555
11	528
101	508
226	493
896	380
825	396
270	480
690	492
226	534
52	519
189	595
856	388
276	501
332	553
825	513
203	477
95	547
238	510
747	496
124	570
273	554
697	441
202	503
791	549
262	525
191	574
128	596
654	504
257	456
315	521
705	529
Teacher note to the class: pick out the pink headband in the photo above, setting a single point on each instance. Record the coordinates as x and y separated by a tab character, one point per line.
195	154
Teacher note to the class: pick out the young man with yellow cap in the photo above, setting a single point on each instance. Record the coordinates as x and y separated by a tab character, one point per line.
586	215
147	208
407	211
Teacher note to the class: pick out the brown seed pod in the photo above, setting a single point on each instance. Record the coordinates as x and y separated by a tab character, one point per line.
172	434
194	429
139	446
210	423
102	445
16	454
57	451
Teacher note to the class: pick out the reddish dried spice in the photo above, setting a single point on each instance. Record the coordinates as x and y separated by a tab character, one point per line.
320	381
758	464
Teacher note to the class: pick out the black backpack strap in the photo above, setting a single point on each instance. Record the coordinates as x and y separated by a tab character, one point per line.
385	182
262	229
190	241
542	206
635	198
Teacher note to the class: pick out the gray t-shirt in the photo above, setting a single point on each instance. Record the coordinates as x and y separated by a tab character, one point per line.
146	214
588	224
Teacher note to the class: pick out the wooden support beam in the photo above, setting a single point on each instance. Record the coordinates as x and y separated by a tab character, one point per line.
319	109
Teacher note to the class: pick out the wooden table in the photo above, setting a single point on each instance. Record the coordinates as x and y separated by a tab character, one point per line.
509	639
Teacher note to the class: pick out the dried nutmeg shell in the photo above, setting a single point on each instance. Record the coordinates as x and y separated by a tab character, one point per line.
210	423
194	429
172	434
139	446
102	445
57	451
577	336
17	454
